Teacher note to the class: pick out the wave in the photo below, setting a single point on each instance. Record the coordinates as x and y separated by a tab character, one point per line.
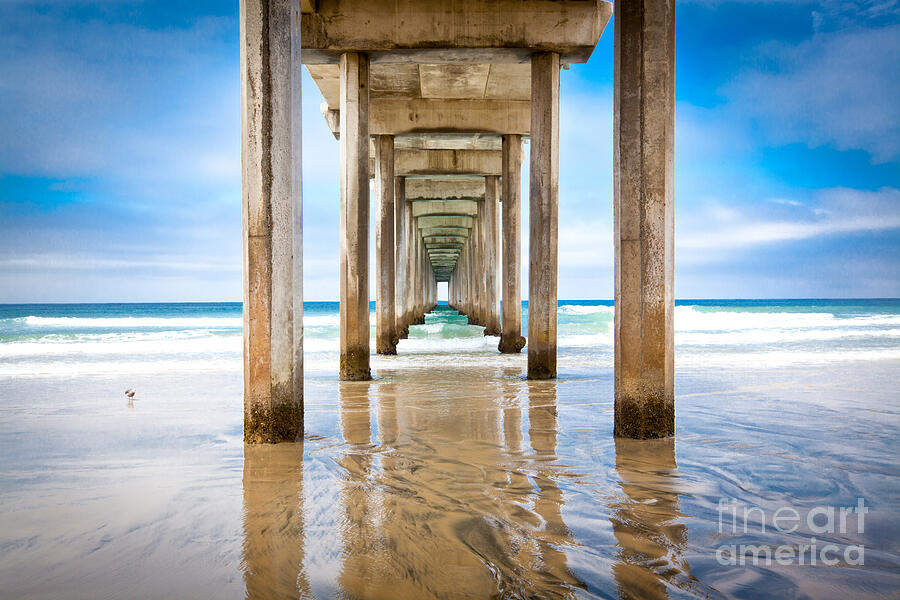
689	318
134	322
577	309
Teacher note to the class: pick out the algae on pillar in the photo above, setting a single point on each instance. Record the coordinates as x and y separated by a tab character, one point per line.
354	280
272	221
644	218
544	215
385	312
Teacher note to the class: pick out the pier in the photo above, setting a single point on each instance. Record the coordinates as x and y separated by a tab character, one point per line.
433	100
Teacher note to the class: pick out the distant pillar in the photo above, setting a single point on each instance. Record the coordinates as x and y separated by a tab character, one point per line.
544	215
410	257
272	221
644	218
491	248
385	311
400	208
420	275
354	90
511	340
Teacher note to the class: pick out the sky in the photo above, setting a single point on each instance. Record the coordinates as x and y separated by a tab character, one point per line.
120	154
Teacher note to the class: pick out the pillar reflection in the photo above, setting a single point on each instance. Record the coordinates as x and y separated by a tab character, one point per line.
273	549
645	522
357	530
549	500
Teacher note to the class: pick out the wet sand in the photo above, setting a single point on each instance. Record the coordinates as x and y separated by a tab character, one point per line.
444	482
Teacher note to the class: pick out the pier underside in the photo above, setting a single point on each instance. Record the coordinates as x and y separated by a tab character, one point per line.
434	102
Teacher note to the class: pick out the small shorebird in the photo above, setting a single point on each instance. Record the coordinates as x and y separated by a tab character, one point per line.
130	392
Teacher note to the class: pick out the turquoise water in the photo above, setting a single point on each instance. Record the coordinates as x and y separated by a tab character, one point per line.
78	338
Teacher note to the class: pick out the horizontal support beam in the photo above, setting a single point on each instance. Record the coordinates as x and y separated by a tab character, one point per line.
392	116
444	188
426	31
432	222
441	162
445	239
423	208
462	232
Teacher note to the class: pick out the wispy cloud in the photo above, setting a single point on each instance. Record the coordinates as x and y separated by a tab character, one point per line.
721	228
838	88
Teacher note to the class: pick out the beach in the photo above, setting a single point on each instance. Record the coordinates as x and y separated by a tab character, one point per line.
449	474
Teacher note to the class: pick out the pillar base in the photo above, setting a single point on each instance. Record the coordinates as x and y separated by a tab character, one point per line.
355	366
643	418
511	346
541	372
404	333
386	349
282	423
492	331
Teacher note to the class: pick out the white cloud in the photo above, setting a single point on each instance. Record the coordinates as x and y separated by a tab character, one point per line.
721	228
838	89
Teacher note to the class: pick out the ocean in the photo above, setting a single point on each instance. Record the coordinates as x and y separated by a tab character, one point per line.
46	339
450	474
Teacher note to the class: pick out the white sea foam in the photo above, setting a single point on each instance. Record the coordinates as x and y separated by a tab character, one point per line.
689	318
576	309
134	322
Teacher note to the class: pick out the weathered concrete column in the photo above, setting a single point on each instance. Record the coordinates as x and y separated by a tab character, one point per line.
544	215
410	255
385	311
481	267
420	280
511	340
354	312
272	220
644	218
492	248
400	208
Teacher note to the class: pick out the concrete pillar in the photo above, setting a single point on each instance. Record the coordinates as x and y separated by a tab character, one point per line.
400	208
644	218
271	206
385	312
410	257
491	257
544	216
354	90
481	268
511	340
420	280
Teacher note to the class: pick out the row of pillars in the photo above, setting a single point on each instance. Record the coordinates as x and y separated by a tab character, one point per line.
644	240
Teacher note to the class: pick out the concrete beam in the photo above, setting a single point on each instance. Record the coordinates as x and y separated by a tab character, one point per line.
448	141
445	239
443	221
423	208
444	188
447	162
394	116
441	162
462	232
426	31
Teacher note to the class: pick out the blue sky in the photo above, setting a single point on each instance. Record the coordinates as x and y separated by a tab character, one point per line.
120	154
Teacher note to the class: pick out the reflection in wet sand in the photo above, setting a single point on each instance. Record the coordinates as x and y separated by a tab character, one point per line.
645	521
446	503
273	521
